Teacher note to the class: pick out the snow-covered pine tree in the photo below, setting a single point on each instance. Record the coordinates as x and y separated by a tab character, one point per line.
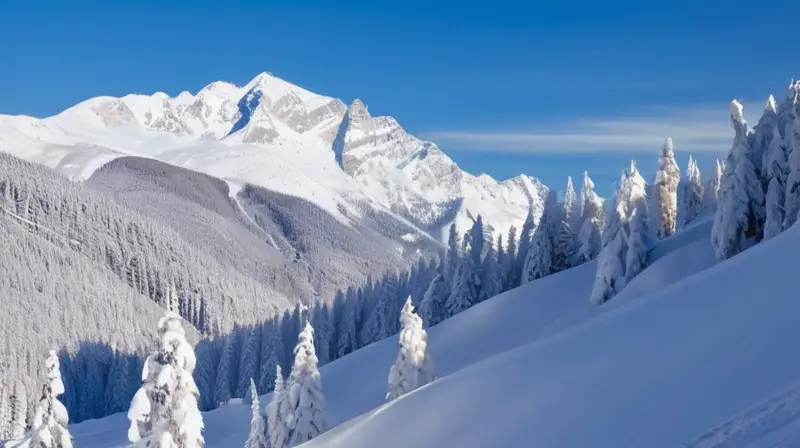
278	413
714	184
564	247
306	400
542	253
18	401
5	410
414	365
572	207
539	262
761	137
348	330
502	258
511	258
379	324
740	215
205	373
610	276
476	241
790	110
433	306
492	275
463	288
453	252
92	393
627	238
164	411
271	353
49	426
775	168
665	192
222	385
323	332
589	241
118	383
524	246
775	197
638	234
693	196
258	434
248	360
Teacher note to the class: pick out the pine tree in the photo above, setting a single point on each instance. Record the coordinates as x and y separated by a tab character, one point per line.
222	386
164	410
740	215
610	278
626	237
492	275
453	252
5	410
762	138
665	192
511	258
93	393
525	241
118	385
433	306
693	196
323	332
380	323
248	361
258	435
49	426
205	373
791	140
589	241
539	262
463	290
414	366
638	235
347	342
775	169
572	207
564	247
714	184
306	400
271	353
542	253
278	413
502	261
19	410
476	241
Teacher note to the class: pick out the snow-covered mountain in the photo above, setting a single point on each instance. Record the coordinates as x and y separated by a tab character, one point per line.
277	135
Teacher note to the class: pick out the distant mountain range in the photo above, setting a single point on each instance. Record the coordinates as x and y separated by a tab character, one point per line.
276	135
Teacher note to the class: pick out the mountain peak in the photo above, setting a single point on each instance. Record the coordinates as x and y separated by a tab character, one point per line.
358	112
771	107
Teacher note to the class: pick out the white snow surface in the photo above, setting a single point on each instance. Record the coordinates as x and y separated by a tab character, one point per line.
693	354
280	136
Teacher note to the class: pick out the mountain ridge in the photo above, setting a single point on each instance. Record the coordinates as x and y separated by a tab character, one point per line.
223	130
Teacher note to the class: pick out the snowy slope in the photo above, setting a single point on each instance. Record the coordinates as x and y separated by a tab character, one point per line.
540	311
657	371
280	136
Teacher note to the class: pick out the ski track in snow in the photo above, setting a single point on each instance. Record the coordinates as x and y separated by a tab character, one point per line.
775	422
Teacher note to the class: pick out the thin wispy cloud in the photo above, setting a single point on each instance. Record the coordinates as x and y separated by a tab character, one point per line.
697	130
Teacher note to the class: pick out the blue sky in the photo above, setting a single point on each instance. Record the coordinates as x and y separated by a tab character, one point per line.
544	88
